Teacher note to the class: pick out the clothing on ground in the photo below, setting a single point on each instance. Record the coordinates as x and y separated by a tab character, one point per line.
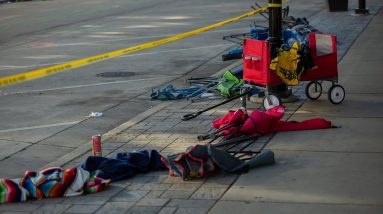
123	165
171	93
50	183
202	160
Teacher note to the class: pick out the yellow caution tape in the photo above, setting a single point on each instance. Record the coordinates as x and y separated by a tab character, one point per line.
13	79
274	5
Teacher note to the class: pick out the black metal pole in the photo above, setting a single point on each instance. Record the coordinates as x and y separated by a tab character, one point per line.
275	26
275	40
361	8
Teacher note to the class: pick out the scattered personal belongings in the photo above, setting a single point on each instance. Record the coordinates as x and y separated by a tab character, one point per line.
227	125
195	114
293	30
50	183
287	65
96	173
229	85
95	114
171	93
208	87
237	123
202	160
123	165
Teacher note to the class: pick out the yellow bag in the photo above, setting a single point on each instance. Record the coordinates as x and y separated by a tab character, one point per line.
286	65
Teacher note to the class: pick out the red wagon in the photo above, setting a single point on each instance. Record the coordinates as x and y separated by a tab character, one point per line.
256	57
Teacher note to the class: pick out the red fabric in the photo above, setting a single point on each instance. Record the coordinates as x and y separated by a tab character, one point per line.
266	122
262	122
232	117
310	124
220	122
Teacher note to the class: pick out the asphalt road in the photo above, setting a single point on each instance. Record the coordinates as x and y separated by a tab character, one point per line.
44	119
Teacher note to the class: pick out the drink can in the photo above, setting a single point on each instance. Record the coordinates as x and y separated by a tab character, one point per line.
96	142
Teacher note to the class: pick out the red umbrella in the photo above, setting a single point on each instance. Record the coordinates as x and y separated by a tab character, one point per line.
265	122
315	123
231	118
262	122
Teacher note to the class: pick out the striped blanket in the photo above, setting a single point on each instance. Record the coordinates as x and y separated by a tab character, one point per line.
49	183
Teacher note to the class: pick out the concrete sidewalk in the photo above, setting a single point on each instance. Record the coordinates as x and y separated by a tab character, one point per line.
327	171
321	171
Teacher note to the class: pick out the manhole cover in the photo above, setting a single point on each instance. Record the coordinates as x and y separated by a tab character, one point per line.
116	74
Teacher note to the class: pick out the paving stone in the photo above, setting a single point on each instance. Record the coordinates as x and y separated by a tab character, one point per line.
115	207
128	148
178	115
135	186
165	112
167	210
84	199
185	186
184	141
156	117
108	152
158	136
172	180
141	179
142	137
130	195
172	150
49	201
183	136
111	145
177	194
159	128
155	146
156	186
137	131
19	207
52	208
178	180
194	210
220	180
110	191
191	203
172	120
122	137
154	194
80	208
177	105
140	125
143	210
159	176
209	193
152	202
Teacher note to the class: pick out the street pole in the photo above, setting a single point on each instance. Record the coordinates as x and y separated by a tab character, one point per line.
275	26
275	40
361	8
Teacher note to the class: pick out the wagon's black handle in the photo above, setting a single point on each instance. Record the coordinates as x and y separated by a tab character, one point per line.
195	114
191	116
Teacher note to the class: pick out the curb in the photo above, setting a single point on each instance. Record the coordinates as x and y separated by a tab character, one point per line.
88	146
